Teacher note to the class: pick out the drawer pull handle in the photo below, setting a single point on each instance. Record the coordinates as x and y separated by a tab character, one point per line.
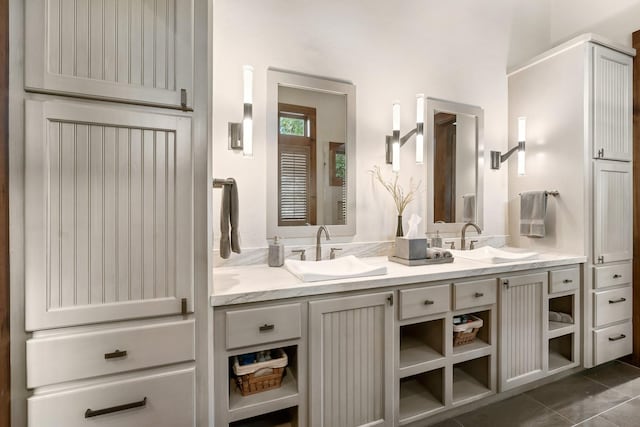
478	295
567	281
89	413
617	276
116	354
265	327
619	337
615	301
428	302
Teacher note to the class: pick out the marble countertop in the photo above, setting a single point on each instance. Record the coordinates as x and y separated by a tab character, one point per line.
254	283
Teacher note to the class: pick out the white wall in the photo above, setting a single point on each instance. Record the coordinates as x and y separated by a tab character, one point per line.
614	19
391	50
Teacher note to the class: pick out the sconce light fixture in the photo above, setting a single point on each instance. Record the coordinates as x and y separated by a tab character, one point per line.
394	142
498	158
241	134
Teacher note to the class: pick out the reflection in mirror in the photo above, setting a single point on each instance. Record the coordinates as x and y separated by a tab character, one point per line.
311	146
455	174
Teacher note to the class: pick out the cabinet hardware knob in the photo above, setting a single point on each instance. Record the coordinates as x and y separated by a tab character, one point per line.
567	281
601	259
615	301
183	306
478	294
428	302
390	299
89	413
619	337
617	276
266	327
183	98
116	354
505	283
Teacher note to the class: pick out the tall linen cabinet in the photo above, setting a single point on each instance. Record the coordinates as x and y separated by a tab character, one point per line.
111	174
577	99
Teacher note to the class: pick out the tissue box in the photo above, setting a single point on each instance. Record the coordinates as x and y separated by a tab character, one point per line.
415	248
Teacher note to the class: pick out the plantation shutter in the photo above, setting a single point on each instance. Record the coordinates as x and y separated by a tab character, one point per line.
294	198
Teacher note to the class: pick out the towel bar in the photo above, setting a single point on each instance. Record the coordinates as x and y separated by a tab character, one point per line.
548	193
219	183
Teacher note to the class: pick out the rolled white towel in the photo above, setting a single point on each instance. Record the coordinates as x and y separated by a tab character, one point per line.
435	253
554	316
566	318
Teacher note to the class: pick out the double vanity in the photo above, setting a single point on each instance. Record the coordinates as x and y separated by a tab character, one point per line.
379	350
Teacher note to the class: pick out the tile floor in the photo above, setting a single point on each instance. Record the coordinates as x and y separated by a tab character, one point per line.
605	396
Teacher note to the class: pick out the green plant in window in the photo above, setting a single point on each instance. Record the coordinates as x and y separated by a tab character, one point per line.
291	126
341	165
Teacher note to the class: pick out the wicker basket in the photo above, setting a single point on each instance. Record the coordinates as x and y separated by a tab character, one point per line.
465	333
260	376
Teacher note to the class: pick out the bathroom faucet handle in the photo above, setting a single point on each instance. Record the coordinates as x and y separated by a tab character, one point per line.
332	255
472	244
452	243
303	256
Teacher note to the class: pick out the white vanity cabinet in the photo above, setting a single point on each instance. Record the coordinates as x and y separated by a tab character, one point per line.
522	318
126	50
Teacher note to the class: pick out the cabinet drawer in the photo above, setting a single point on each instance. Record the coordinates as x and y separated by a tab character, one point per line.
474	294
62	358
424	301
612	275
564	280
262	325
162	399
612	306
612	342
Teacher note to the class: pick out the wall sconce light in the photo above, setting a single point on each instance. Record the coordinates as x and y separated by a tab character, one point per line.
394	142
497	158
241	134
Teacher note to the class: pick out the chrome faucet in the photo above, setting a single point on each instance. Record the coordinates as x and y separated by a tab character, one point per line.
464	231
318	236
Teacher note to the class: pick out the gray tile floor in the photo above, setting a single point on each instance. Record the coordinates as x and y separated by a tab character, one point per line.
605	396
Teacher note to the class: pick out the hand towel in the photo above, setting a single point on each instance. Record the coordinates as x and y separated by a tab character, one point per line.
468	207
229	220
533	209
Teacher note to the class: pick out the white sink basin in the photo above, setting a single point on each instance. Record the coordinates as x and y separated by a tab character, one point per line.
494	255
339	268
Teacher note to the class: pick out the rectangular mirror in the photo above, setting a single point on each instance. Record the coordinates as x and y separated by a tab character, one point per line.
455	165
310	154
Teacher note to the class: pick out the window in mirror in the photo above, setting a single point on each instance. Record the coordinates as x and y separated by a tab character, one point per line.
310	157
444	174
297	165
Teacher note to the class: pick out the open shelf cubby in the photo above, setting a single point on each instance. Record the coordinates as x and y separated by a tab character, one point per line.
566	305
278	398
421	394
561	352
283	418
471	379
421	343
482	342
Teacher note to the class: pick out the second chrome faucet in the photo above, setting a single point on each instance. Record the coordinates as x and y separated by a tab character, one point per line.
318	237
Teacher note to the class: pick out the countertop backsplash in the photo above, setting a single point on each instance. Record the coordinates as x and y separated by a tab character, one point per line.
256	256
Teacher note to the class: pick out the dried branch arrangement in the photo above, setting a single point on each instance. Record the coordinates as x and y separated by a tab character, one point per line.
399	197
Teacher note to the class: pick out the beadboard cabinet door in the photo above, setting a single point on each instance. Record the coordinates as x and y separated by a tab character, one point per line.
108	214
137	51
523	316
612	104
612	219
351	366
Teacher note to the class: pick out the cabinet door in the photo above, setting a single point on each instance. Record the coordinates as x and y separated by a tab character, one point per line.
351	366
612	104
108	224
612	219
523	311
138	51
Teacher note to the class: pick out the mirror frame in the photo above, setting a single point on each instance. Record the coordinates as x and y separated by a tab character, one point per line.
275	79
433	106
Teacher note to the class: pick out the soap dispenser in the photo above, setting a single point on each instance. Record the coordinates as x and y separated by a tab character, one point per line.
436	241
276	253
